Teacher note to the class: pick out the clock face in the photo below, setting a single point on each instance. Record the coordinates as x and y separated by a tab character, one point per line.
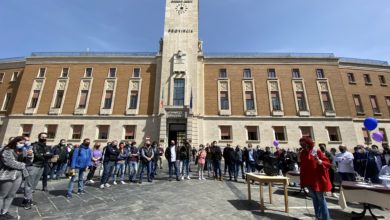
181	8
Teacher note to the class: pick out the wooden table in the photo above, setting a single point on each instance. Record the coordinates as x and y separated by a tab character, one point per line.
267	179
366	194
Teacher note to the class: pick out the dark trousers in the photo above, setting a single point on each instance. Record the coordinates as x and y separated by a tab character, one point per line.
217	168
347	176
46	171
231	167
91	172
107	171
148	165
173	165
331	177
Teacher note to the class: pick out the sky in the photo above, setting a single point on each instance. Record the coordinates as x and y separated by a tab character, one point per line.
347	28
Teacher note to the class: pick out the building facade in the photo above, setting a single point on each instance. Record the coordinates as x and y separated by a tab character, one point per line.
182	92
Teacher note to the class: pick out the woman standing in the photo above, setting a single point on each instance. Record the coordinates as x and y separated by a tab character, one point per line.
96	159
120	163
12	172
201	161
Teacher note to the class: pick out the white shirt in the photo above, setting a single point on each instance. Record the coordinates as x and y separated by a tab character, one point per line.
173	153
385	171
345	162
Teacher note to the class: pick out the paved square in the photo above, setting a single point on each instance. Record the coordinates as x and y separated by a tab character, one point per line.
187	199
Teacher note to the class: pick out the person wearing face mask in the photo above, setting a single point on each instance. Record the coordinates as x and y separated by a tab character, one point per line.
171	155
55	159
27	158
12	171
345	164
315	176
147	155
110	153
81	159
41	157
62	159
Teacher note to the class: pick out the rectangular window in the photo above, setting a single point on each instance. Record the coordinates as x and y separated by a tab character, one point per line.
224	95
222	73
83	99
249	101
51	131
320	74
301	101
296	74
326	101
271	73
108	99
367	78
252	133
1	77
59	97
88	72
130	132
387	98
14	76
226	132
42	72
366	136
382	79
275	100
34	99
247	74
374	104
351	78
280	133
133	100
307	132
358	104
7	100
26	130
112	73
178	92
103	132
65	72
136	72
383	131
334	133
77	130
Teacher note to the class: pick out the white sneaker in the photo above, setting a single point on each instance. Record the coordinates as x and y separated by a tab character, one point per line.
102	186
107	185
200	178
115	183
203	178
334	195
91	181
123	182
182	177
188	177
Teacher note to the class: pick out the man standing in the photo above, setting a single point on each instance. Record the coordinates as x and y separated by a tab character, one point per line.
111	153
185	158
171	155
217	157
133	161
251	156
147	155
155	159
332	168
238	163
230	160
81	159
41	156
345	164
315	176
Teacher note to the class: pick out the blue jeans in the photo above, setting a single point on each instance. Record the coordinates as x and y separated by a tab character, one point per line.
250	166
186	165
237	166
61	167
217	168
80	171
148	165
133	168
320	206
209	166
108	168
154	168
119	171
172	165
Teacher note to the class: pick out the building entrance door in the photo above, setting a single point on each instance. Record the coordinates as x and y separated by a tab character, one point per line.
177	132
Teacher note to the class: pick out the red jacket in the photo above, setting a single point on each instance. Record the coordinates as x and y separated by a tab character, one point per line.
314	175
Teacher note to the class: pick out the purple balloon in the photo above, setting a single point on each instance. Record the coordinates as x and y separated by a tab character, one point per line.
276	143
377	136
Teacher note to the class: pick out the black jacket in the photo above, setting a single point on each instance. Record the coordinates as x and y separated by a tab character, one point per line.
229	154
111	153
185	152
168	153
216	153
42	154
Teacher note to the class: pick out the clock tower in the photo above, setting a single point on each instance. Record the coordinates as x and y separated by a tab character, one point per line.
180	82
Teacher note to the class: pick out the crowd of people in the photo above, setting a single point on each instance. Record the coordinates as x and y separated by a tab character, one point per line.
23	164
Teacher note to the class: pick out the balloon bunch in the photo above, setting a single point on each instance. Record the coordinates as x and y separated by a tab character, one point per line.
371	124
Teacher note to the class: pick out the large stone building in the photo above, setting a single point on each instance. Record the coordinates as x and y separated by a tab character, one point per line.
180	91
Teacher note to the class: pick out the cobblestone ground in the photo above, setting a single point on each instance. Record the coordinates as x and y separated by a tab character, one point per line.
187	199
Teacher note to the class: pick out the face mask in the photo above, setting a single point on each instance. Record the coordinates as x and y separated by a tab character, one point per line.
303	145
42	140
27	143
341	150
86	144
19	146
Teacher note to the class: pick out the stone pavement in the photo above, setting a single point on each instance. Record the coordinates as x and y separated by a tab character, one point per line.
187	199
